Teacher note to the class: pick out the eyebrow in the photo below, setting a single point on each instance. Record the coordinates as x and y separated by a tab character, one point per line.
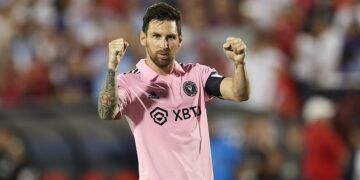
156	33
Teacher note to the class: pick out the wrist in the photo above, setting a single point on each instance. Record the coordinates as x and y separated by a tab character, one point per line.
239	63
112	62
112	67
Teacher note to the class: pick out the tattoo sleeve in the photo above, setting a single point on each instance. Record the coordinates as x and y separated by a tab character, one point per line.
107	100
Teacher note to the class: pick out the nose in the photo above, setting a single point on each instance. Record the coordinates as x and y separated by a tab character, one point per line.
164	43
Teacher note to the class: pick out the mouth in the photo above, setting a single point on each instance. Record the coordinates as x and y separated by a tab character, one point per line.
164	55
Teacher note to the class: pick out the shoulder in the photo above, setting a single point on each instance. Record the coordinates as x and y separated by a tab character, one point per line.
128	76
194	67
131	73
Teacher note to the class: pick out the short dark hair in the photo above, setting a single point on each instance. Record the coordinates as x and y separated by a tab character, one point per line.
162	12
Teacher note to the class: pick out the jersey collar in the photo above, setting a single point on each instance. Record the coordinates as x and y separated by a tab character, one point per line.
151	74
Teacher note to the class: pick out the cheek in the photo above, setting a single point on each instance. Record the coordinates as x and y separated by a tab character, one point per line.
153	43
175	46
149	44
150	47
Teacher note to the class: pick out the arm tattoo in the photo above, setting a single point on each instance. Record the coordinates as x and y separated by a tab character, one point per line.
107	99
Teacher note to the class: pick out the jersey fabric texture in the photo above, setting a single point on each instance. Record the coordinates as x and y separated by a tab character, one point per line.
168	119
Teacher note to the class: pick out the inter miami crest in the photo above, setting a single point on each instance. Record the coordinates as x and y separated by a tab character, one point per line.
190	88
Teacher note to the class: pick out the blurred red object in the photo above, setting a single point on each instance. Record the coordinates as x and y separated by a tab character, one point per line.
10	93
325	153
286	29
94	175
55	175
10	87
288	102
114	5
37	81
126	175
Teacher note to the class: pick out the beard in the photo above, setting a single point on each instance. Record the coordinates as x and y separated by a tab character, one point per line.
162	58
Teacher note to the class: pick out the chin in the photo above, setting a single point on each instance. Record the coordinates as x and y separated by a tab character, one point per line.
163	62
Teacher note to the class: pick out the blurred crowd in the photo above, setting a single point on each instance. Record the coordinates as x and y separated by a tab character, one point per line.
55	51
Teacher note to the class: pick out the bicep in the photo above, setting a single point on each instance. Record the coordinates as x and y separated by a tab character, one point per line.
226	89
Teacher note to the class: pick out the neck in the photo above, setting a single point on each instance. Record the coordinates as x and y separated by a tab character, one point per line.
160	70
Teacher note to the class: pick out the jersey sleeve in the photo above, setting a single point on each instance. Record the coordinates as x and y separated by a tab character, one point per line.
123	94
211	81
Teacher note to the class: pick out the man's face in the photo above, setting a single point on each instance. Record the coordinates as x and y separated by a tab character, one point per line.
161	41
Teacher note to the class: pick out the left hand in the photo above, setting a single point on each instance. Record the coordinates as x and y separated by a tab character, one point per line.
234	49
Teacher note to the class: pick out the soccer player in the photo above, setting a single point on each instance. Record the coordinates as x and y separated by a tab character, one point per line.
164	101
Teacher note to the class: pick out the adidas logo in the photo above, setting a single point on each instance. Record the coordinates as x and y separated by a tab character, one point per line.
153	95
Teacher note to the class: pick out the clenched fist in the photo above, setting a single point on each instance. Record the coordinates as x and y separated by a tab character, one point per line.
235	49
117	50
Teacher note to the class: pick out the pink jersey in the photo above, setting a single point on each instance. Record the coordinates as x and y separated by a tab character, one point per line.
167	117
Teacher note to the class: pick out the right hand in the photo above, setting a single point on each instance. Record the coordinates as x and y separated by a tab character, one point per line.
117	50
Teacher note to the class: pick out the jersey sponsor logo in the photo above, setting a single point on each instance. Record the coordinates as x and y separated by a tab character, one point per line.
159	115
186	113
153	95
190	88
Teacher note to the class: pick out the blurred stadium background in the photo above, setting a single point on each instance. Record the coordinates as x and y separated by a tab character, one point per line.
53	56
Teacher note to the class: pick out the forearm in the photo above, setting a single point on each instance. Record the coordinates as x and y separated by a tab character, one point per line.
107	100
240	83
236	88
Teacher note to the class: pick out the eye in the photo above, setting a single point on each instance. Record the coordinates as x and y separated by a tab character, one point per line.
157	36
171	37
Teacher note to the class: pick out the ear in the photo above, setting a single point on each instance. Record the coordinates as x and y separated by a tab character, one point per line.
143	38
180	40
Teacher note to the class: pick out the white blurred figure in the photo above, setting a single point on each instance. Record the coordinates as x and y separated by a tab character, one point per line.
263	12
318	54
43	13
264	61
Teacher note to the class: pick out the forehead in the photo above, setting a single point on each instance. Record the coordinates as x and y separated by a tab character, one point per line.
162	27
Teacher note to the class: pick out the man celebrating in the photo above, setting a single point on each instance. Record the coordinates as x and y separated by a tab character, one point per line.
164	101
